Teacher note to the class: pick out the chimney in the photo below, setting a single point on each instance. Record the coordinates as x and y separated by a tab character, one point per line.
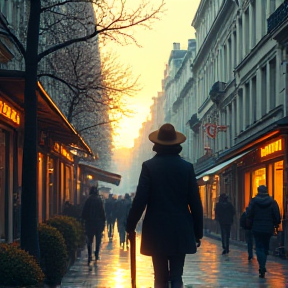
176	46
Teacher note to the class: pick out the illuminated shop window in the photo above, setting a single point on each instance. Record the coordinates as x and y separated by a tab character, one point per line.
202	191
278	186
258	178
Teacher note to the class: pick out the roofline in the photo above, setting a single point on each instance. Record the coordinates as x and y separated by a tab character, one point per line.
51	102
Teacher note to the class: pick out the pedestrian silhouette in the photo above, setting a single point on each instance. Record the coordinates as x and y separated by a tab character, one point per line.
94	216
173	222
110	215
248	233
122	209
224	213
263	216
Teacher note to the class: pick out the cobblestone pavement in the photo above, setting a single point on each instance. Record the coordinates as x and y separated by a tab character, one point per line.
206	269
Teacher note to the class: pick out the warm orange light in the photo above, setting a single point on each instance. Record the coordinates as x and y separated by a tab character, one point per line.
271	148
10	113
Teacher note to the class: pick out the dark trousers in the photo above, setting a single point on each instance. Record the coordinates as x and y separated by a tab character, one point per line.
249	241
89	240
110	229
262	241
168	268
225	236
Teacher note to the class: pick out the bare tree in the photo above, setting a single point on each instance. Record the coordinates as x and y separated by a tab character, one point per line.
112	24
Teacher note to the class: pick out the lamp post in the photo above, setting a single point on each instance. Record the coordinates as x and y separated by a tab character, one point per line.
206	179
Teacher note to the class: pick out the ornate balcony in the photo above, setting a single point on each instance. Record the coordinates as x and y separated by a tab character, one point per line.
216	92
278	17
194	123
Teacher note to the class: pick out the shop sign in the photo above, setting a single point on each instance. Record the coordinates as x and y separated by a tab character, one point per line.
271	148
56	147
66	154
61	150
10	113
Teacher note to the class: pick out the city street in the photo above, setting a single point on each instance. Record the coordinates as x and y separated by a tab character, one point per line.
207	268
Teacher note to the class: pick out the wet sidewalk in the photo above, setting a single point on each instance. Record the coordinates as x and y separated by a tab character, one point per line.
207	268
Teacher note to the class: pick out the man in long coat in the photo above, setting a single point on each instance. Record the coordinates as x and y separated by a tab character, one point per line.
173	222
94	216
224	213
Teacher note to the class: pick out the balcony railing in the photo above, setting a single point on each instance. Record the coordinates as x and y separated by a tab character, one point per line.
278	17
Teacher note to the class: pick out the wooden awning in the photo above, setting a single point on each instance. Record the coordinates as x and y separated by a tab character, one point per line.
99	174
50	119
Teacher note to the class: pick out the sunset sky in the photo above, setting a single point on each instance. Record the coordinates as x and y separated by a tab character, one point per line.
149	61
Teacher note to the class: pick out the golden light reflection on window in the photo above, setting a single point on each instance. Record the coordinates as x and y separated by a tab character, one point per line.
278	186
258	178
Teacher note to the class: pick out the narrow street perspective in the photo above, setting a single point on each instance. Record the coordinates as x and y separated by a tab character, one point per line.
145	137
206	269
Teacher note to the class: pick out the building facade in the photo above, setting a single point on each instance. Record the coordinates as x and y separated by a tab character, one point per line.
241	88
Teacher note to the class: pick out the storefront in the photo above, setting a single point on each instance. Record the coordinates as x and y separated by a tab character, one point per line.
263	163
89	175
56	137
10	129
265	166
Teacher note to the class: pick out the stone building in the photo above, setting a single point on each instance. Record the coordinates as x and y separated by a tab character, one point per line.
241	86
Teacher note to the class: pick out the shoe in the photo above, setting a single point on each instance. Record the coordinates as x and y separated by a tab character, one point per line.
262	273
89	260
224	252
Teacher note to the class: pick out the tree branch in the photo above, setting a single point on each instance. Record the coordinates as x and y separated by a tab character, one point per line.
98	124
13	36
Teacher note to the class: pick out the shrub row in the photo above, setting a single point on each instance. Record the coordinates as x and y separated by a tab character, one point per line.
59	238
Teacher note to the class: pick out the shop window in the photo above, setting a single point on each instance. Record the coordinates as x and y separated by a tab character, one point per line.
258	178
40	187
50	188
3	183
278	186
202	190
68	185
247	189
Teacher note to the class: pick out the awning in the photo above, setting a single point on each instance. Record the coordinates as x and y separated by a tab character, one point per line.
221	166
50	119
101	175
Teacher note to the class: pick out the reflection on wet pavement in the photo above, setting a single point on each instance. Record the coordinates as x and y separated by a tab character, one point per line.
207	268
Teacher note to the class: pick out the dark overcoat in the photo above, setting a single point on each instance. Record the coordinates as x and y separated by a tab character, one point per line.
94	215
168	190
263	213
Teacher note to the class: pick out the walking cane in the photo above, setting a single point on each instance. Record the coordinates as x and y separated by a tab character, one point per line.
132	239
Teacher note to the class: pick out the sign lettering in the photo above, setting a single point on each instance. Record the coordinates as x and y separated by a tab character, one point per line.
271	148
10	113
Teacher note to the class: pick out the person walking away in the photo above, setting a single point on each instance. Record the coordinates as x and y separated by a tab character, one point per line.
224	213
263	215
248	233
123	207
128	200
94	216
173	221
110	211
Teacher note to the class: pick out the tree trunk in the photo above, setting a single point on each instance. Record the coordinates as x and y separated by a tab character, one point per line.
29	209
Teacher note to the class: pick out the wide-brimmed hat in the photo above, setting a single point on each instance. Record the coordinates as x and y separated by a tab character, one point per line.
167	135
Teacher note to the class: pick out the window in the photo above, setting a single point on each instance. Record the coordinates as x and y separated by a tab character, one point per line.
278	187
3	184
254	102
247	105
263	91
258	178
272	91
